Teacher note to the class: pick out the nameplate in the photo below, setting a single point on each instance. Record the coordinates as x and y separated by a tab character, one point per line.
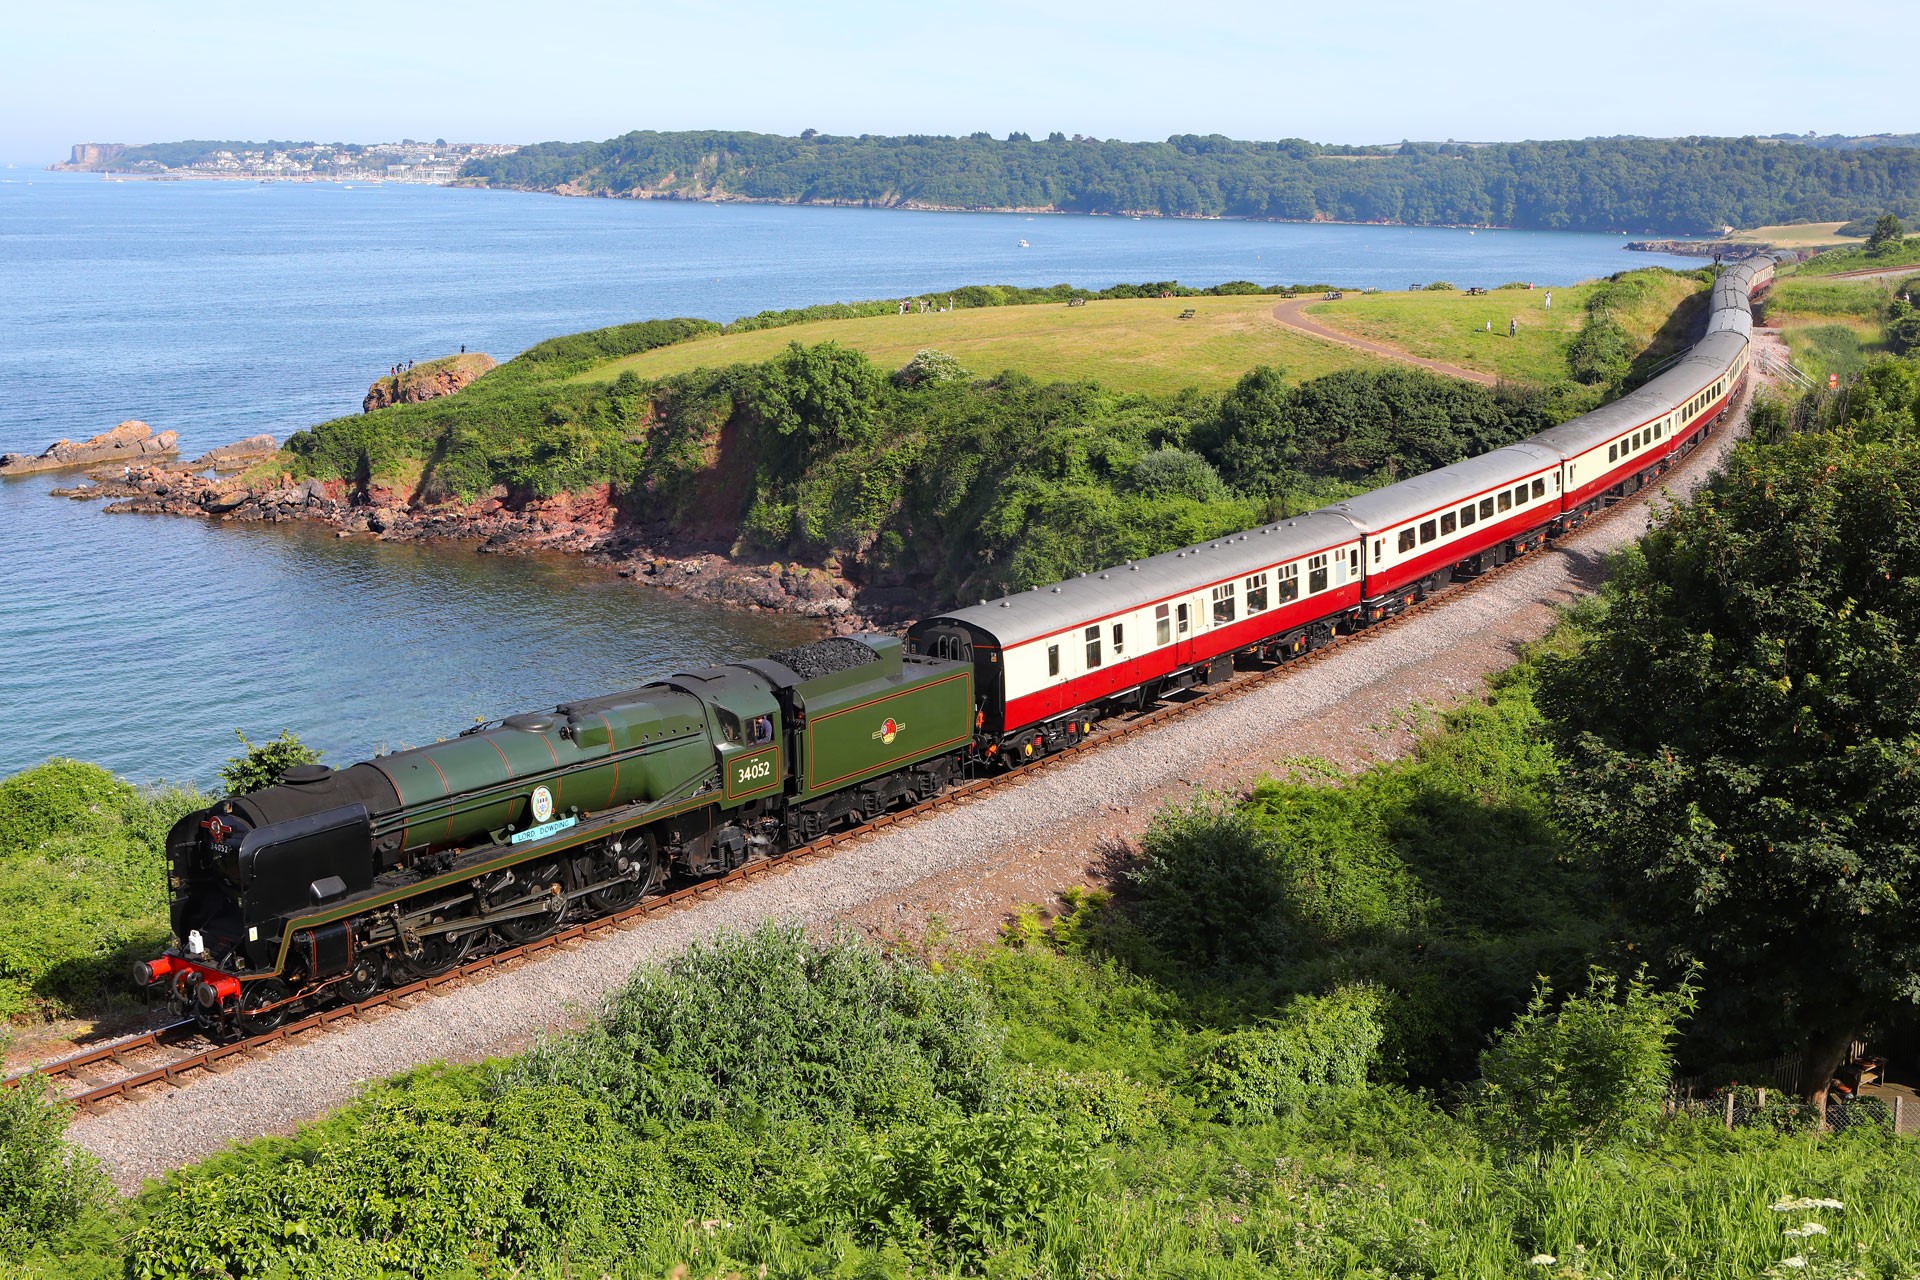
542	831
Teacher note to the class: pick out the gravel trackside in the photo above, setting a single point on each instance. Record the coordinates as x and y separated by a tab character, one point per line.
970	863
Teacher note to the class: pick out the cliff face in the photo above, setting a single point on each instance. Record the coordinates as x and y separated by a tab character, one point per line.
426	381
92	155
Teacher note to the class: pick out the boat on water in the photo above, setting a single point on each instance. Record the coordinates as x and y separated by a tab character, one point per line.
1023	244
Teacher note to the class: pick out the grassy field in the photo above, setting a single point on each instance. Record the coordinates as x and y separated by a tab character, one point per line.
1797	235
1451	327
1829	326
1143	345
1127	344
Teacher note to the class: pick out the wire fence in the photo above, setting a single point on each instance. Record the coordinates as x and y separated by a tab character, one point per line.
1739	1108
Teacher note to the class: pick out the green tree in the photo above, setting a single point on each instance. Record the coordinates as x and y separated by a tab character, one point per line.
1886	235
1587	1074
1257	449
1741	737
823	396
263	764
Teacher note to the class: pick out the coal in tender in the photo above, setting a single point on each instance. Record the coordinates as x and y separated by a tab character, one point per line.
824	657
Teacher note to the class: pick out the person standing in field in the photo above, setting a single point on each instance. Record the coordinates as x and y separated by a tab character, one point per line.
1549	299
1513	326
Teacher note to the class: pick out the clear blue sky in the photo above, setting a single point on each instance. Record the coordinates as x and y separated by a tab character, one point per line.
125	71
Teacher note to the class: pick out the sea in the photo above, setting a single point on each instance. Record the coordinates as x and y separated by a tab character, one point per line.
219	310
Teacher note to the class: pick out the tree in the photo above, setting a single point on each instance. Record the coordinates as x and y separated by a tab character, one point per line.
1741	738
824	396
1886	235
1257	451
264	763
45	1182
1588	1074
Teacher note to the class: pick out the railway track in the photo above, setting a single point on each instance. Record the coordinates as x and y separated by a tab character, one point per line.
112	1072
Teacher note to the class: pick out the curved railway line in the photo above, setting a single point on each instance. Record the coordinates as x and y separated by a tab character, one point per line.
112	1072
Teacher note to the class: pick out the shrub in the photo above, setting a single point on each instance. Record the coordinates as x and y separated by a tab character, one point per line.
1177	473
1439	286
60	797
263	764
770	1026
1590	1073
1210	889
963	1182
929	366
45	1183
1317	1042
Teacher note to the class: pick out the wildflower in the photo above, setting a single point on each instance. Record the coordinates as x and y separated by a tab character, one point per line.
1542	1260
1796	1262
1807	1229
1797	1203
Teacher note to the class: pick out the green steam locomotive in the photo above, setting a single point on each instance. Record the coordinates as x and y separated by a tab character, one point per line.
335	882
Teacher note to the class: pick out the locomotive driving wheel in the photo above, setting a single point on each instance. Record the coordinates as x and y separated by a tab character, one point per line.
541	878
643	851
436	953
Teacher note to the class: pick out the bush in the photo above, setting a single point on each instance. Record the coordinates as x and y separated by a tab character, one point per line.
263	764
1171	472
82	884
1316	1043
45	1183
769	1026
1211	892
929	366
60	797
1588	1074
1440	286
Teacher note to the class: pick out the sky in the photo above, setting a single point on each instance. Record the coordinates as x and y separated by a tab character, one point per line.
1364	71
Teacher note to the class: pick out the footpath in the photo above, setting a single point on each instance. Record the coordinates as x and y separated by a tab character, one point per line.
1292	313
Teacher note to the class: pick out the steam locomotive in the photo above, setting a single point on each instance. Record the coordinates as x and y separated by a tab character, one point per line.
334	882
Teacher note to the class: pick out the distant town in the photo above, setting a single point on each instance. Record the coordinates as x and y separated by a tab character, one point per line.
436	162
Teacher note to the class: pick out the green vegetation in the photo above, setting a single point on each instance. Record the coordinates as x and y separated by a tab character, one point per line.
878	452
1134	345
1650	313
1125	1090
82	884
1673	184
262	764
1891	251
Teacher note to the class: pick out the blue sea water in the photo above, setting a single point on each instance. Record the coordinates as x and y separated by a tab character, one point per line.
222	309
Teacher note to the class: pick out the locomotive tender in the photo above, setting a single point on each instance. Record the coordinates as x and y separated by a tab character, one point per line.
336	881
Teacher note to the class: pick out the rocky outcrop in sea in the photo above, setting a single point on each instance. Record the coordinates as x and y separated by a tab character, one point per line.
131	441
427	381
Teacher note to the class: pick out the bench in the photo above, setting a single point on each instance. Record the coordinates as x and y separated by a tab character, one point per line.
1475	291
1187	314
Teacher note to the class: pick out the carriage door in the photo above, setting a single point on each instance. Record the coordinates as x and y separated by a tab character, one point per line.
1185	638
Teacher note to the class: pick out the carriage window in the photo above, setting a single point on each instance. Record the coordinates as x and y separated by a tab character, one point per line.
1316	574
1658	429
1426	531
1093	647
1223	603
1486	508
1377	543
1353	563
1406	539
1289	582
1180	614
1467	517
1613	453
1506	501
1053	659
1162	625
1119	640
1447	523
1519	494
1539	487
1257	593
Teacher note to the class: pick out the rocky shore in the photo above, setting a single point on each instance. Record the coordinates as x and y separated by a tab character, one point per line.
427	381
131	440
586	524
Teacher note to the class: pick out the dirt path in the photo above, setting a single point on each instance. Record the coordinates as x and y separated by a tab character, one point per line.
1292	313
